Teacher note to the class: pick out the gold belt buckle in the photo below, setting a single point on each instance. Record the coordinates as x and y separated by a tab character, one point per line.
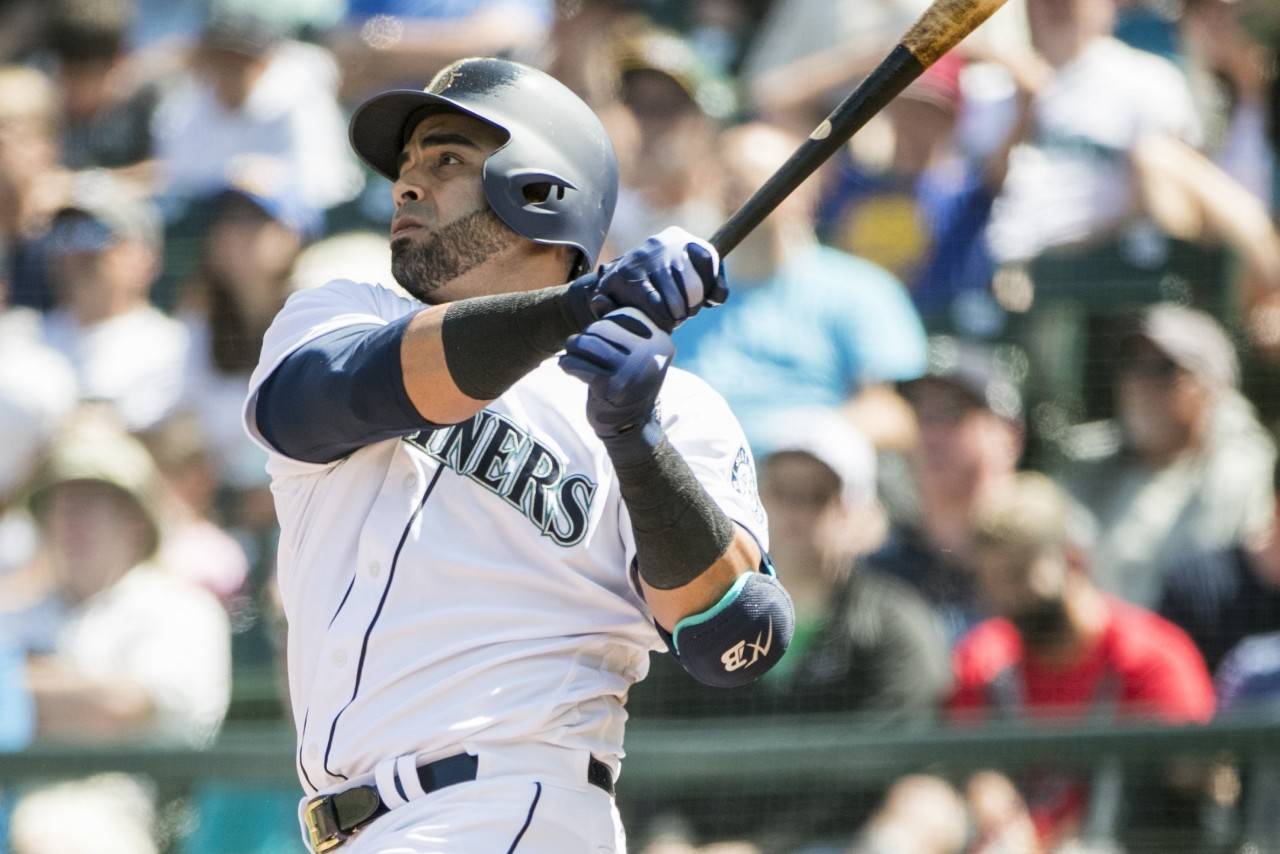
322	825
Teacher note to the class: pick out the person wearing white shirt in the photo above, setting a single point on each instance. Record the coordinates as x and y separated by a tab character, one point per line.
105	248
141	653
1072	180
256	108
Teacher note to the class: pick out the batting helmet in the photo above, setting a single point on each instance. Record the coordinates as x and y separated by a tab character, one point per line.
555	178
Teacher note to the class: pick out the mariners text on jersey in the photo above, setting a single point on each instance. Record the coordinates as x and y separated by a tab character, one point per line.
509	462
468	585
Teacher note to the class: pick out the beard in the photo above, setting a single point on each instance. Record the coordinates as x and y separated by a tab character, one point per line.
1043	626
423	268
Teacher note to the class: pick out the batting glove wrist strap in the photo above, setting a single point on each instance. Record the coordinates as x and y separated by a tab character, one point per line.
737	640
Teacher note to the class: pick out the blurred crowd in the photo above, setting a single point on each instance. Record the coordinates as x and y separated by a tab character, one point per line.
1006	363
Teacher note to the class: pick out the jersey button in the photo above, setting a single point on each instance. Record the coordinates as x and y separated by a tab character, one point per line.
339	657
375	569
410	481
313	752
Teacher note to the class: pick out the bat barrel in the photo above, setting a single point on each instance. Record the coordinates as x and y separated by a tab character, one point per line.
939	29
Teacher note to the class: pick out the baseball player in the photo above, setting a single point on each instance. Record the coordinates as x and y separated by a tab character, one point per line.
494	497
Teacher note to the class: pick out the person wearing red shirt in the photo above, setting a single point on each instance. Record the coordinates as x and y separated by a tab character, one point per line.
1060	648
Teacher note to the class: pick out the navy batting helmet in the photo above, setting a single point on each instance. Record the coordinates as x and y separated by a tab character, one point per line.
554	180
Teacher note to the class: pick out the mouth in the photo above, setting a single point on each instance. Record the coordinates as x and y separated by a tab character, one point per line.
404	227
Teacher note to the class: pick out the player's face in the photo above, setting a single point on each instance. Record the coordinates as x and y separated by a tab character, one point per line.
443	226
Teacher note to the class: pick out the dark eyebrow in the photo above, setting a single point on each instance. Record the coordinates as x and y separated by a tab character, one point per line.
430	139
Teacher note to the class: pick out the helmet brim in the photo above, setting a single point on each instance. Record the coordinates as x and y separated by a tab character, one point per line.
377	127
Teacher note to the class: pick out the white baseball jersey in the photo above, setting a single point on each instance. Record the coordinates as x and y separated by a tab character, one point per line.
469	585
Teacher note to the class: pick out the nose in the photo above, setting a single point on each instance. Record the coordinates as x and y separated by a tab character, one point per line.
408	188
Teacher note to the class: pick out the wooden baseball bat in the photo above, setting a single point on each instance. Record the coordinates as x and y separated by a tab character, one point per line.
939	29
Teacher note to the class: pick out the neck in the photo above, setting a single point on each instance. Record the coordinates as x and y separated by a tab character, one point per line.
260	302
1061	45
1164	455
812	581
522	266
947	509
103	308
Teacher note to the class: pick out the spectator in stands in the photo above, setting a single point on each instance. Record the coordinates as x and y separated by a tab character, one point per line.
968	413
37	392
33	182
1222	595
113	814
867	643
923	215
195	547
140	653
807	53
1192	470
256	108
1072	179
107	110
677	104
105	250
1059	646
808	325
384	44
1220	46
249	250
921	814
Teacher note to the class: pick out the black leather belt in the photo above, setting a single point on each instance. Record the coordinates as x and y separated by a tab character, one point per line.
332	819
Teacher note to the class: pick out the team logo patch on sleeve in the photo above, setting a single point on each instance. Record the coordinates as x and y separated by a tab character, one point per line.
743	479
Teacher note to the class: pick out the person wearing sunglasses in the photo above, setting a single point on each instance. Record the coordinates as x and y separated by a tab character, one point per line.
1191	470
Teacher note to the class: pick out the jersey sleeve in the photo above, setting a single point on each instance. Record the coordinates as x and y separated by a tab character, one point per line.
306	316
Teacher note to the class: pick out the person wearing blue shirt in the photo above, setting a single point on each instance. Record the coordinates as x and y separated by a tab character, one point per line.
808	325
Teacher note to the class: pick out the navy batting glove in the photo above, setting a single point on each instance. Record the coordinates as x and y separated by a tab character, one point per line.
623	359
669	277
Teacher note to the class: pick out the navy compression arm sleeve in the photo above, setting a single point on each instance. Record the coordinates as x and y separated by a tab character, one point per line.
338	393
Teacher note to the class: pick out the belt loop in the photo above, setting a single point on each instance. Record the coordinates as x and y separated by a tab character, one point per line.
407	771
384	773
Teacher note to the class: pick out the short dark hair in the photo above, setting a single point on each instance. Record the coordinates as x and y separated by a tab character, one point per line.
89	30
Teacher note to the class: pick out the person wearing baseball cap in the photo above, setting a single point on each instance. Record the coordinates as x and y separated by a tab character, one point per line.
1191	469
105	248
865	643
969	415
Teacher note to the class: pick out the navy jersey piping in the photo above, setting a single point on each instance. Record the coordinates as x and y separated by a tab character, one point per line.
364	645
527	819
302	739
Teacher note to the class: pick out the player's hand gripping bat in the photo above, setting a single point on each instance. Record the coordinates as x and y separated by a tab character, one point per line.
939	29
